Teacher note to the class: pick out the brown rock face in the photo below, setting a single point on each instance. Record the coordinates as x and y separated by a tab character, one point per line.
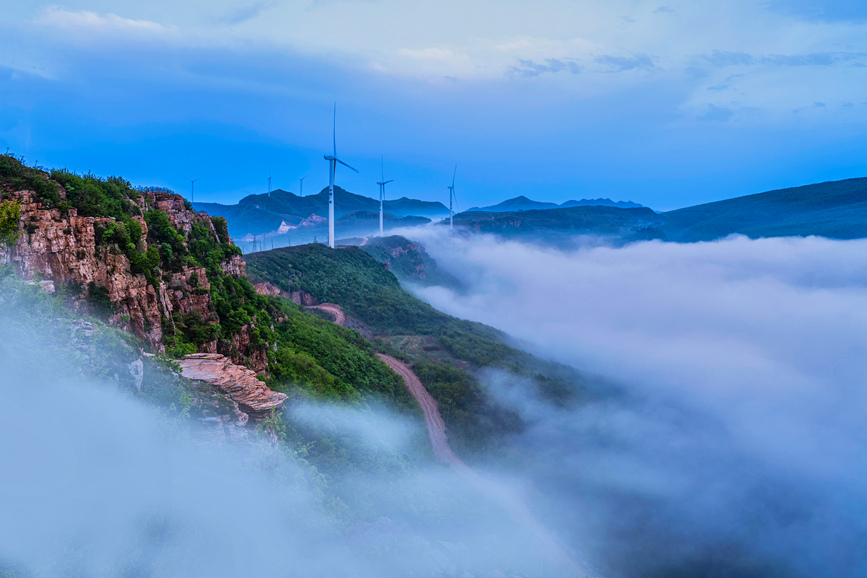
62	247
270	290
235	381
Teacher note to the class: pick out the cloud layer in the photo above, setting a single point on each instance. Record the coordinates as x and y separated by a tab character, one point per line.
743	364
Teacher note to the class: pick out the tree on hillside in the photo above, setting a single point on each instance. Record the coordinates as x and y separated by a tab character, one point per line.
10	213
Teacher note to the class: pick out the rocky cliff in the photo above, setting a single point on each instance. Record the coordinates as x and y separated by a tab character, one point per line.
156	284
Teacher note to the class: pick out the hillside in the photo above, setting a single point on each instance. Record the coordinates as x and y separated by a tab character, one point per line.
450	351
408	261
145	263
836	209
555	224
259	214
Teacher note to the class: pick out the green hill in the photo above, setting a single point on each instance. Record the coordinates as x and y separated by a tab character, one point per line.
450	352
408	260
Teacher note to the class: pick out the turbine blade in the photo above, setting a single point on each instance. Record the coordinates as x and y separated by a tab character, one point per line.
334	130
454	175
386	182
346	165
382	167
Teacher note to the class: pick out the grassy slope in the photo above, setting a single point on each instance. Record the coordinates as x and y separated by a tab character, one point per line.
407	260
452	352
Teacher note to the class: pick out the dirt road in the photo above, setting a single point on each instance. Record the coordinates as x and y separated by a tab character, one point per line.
436	429
505	496
339	317
562	561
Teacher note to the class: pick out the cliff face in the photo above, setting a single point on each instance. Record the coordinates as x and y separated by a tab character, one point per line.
61	246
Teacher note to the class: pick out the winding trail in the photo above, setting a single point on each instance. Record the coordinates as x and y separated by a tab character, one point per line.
339	317
436	428
563	562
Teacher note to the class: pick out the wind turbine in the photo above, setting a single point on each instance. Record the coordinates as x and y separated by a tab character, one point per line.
301	185
269	186
193	189
382	184
332	161
452	196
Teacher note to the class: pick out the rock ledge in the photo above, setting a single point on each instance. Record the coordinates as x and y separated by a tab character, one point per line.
235	381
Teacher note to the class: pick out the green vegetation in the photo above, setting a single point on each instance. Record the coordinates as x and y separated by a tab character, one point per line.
16	176
408	261
352	279
307	357
452	351
10	213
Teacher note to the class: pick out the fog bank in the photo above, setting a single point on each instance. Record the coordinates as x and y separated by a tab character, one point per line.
740	445
98	483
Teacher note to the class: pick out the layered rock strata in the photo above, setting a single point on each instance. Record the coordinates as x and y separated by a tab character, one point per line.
62	247
236	382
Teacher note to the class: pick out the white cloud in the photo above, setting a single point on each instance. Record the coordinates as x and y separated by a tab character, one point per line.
739	417
84	20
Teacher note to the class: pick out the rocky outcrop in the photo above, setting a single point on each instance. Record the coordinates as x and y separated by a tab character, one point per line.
236	382
62	247
235	266
303	298
270	290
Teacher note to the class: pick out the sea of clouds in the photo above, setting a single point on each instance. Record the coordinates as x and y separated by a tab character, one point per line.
736	441
728	439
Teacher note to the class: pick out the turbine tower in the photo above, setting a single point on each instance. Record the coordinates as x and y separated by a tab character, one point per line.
382	184
452	196
193	189
332	170
301	185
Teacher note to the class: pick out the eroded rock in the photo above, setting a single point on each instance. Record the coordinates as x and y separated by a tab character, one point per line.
236	382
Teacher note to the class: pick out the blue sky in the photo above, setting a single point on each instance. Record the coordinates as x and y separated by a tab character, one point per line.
666	103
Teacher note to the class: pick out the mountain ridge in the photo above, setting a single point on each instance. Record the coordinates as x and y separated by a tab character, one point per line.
523	203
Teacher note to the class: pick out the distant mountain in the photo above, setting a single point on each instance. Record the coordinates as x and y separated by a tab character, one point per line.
835	209
601	203
522	203
555	224
258	214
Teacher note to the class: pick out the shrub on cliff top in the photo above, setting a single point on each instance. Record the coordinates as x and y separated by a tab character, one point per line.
15	175
10	212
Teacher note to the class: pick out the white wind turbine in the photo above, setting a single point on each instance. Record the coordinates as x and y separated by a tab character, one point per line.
333	160
452	196
382	184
